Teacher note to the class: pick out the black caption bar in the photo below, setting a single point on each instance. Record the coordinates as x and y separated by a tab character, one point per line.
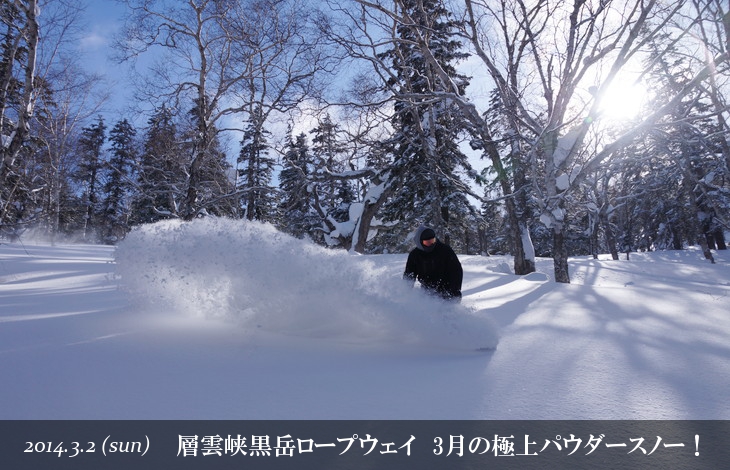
80	445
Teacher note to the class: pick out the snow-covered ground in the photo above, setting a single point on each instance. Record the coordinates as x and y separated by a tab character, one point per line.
222	319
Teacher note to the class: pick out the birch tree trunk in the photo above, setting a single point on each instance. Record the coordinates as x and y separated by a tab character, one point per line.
28	37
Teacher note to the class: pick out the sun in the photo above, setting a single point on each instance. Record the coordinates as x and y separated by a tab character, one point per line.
623	99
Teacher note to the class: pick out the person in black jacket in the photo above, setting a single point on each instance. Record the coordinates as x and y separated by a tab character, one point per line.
435	265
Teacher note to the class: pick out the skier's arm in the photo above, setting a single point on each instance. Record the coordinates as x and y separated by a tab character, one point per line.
456	275
410	273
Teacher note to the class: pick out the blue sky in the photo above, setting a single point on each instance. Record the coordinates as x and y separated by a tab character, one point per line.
102	19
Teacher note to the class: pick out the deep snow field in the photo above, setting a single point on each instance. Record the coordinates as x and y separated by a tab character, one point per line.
220	319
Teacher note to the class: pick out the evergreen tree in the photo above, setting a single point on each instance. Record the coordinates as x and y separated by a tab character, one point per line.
690	144
161	173
259	200
210	185
115	207
89	171
426	157
297	216
491	230
333	195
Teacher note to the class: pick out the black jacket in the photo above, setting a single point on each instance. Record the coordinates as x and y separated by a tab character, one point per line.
438	270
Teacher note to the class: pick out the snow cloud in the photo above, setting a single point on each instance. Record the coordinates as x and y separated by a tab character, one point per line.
263	280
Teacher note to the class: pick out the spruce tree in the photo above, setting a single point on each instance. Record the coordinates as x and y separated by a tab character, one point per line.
115	206
161	174
297	215
432	170
333	195
210	185
691	142
91	163
256	170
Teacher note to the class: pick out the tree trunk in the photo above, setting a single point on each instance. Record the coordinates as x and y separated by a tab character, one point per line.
523	249
560	256
706	249
610	237
362	229
482	240
524	262
593	220
700	225
382	188
719	237
190	210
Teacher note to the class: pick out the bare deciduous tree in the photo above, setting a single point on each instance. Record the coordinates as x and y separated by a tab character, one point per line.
17	91
552	64
227	58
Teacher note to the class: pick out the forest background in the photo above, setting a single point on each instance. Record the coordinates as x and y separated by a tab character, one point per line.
529	128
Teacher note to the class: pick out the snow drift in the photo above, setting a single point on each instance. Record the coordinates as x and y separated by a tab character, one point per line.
263	280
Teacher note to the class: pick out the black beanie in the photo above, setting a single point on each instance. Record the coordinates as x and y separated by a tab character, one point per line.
428	234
